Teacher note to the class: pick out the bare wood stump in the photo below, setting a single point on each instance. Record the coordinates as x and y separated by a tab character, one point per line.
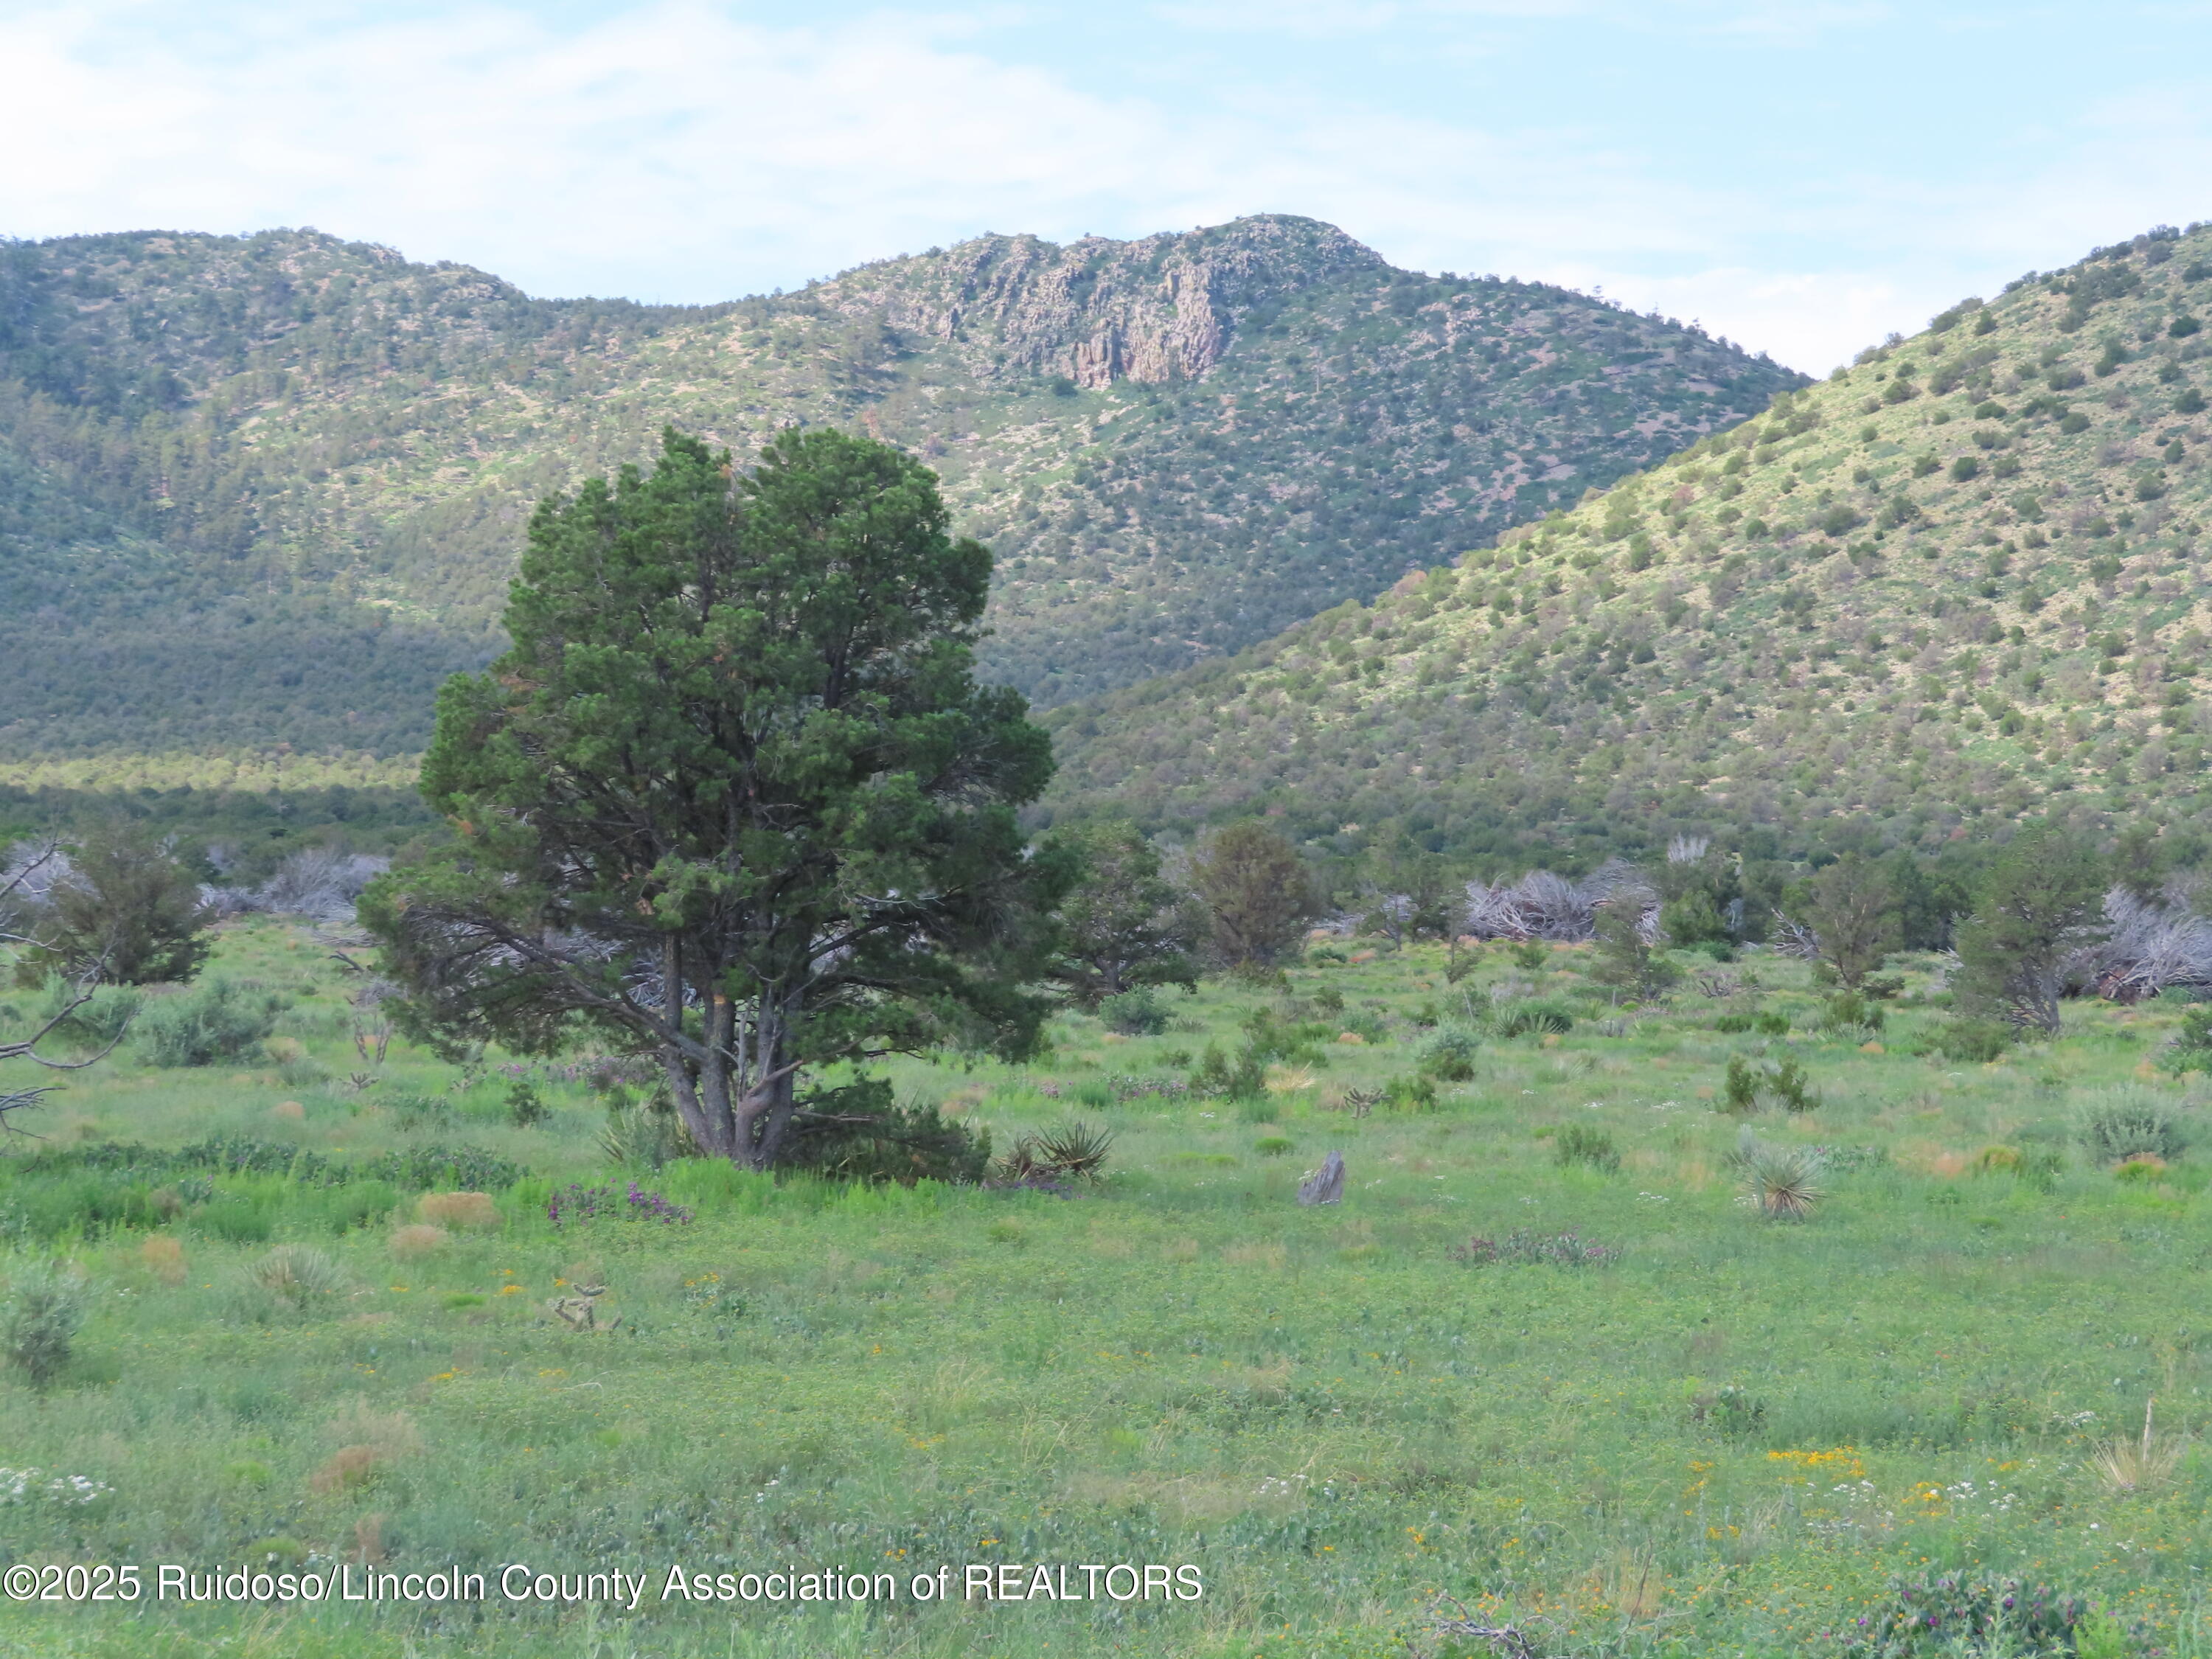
1326	1185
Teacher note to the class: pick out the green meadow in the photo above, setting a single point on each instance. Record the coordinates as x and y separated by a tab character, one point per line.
1696	1430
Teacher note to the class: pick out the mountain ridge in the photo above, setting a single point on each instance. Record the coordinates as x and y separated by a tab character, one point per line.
261	492
1965	577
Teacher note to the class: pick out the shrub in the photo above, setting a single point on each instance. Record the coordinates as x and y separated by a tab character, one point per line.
1523	1247
1977	1041
1852	1011
2125	1123
1134	1013
1534	1018
577	1202
45	1309
1594	1149
418	1239
1784	1084
1073	1150
524	1107
298	1276
1954	1614
466	1211
1450	1056
1410	1094
1781	1181
225	1019
2192	1047
851	1135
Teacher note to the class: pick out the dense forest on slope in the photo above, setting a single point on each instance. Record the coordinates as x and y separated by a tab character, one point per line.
259	495
1962	579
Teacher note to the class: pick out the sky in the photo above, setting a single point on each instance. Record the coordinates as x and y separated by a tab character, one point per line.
1801	177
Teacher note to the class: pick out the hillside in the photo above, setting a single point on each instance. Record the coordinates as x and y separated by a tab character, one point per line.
1963	578
266	491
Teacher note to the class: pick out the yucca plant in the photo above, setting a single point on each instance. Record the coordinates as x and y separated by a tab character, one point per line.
2130	1466
297	1275
1074	1148
1782	1181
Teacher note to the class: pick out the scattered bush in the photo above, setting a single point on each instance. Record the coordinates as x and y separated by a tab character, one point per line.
1593	1149
1134	1013
225	1019
45	1309
2125	1123
643	1134
1853	1011
1765	1024
1524	1247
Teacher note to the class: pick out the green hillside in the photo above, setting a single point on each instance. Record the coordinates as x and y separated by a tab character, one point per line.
267	490
1963	578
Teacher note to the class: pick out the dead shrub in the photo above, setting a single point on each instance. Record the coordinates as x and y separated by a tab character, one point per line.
164	1258
288	1111
463	1211
346	1468
412	1243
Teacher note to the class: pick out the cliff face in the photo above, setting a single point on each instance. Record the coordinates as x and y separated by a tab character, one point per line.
1159	309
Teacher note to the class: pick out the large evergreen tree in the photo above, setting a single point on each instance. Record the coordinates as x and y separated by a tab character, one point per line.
733	798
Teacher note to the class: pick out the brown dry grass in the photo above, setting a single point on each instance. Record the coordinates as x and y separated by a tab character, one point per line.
462	1211
288	1111
164	1258
413	1243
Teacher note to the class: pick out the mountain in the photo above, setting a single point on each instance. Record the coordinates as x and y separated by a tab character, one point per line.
1963	579
259	494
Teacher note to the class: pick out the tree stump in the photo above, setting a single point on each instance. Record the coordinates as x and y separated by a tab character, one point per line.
1326	1185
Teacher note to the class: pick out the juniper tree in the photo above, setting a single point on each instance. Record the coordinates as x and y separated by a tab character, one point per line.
734	800
1124	925
2042	902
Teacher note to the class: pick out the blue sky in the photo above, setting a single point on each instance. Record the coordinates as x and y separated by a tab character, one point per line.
1801	178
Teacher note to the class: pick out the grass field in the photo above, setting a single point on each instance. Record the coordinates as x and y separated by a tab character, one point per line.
1731	1438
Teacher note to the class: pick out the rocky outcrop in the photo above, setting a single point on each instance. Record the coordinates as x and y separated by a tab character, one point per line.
1162	308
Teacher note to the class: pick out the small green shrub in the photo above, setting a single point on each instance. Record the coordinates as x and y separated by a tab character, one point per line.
1525	1248
1579	1144
1274	1145
1134	1013
1975	1041
1531	954
2192	1047
1410	1094
1733	1410
1450	1056
1851	1012
224	1020
45	1309
865	1137
525	1106
2123	1123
